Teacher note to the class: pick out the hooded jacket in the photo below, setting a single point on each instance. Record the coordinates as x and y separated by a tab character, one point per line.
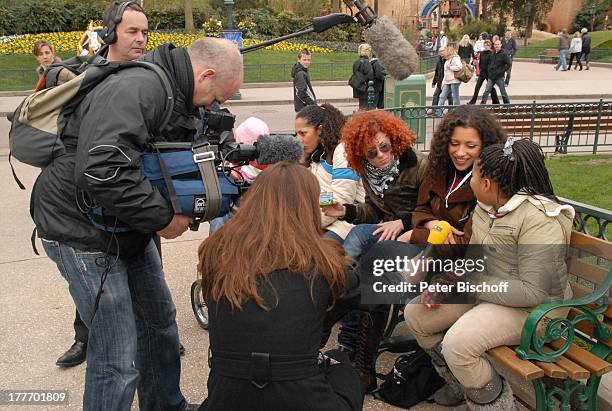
303	94
499	63
105	138
525	243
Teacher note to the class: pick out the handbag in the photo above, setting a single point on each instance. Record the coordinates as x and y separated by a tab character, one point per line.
466	73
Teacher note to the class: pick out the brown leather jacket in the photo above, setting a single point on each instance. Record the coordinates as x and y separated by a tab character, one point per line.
431	206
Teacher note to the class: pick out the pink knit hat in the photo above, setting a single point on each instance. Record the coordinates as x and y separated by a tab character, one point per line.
249	130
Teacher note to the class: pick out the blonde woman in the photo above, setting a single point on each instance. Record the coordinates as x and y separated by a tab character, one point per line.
450	85
575	51
362	74
466	50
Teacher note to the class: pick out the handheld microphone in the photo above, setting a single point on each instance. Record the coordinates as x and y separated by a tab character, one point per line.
269	149
437	236
395	53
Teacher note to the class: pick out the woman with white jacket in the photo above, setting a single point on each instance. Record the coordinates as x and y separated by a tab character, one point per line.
575	51
319	127
450	84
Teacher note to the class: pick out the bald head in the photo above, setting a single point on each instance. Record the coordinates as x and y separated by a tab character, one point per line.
217	69
219	54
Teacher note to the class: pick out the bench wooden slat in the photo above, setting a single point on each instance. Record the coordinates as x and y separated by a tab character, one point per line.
591	245
507	357
574	371
580	290
586	327
552	370
592	273
585	359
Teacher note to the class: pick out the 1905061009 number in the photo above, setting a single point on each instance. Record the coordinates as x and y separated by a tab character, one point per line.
34	397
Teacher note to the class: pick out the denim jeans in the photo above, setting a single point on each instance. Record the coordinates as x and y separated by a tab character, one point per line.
360	239
502	88
333	236
447	89
217	223
133	337
436	96
562	63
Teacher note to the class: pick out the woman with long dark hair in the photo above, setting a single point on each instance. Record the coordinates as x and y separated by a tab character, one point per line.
274	285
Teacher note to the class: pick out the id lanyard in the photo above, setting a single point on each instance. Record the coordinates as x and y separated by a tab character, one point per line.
457	187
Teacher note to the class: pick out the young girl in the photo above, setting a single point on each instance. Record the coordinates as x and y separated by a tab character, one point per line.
445	193
519	214
319	128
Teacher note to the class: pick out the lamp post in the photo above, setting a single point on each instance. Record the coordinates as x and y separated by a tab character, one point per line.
229	10
235	36
593	10
528	7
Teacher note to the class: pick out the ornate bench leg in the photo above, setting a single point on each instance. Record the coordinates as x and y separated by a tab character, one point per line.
587	399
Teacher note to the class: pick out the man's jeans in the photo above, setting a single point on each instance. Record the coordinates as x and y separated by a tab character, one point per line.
502	88
562	63
436	96
133	337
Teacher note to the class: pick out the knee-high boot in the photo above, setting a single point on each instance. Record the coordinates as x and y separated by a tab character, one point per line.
496	395
452	393
371	332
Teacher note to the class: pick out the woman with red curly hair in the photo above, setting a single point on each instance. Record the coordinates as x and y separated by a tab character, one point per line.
379	148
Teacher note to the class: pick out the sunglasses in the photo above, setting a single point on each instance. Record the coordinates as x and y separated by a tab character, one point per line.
383	148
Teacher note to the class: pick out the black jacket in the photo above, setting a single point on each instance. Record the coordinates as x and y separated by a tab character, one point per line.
104	139
439	73
499	63
378	73
294	325
303	94
363	66
586	43
509	46
485	58
466	52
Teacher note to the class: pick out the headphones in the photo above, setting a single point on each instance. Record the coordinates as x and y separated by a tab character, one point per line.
109	35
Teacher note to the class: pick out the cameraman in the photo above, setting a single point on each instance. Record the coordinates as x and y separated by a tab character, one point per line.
133	340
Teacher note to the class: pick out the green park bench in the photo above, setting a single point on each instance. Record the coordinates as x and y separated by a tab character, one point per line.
565	364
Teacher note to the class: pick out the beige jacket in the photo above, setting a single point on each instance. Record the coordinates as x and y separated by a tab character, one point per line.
346	185
526	245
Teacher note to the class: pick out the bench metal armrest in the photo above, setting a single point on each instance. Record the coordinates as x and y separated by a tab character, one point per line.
532	345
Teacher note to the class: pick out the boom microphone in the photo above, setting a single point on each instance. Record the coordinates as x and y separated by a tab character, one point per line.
395	53
269	149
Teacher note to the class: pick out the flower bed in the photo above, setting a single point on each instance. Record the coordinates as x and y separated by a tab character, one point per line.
67	41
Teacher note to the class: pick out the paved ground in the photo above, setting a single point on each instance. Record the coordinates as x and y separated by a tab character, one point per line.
38	310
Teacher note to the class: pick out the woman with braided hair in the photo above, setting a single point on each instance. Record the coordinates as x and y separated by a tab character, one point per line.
518	213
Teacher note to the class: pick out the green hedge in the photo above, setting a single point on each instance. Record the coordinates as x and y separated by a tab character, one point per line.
40	16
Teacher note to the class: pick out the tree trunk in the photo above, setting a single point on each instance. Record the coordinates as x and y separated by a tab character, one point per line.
189	28
484	14
335	6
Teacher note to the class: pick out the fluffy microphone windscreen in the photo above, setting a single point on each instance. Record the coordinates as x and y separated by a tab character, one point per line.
438	234
394	52
279	147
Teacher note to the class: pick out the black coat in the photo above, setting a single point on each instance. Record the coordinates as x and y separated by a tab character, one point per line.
293	325
303	94
378	73
485	58
499	63
113	127
439	72
466	52
363	66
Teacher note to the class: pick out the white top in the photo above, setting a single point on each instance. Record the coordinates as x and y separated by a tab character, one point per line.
576	45
443	41
479	46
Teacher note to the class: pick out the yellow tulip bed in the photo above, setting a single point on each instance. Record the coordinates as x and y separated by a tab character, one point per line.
67	41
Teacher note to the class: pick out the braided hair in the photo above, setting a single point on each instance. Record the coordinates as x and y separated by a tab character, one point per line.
331	121
480	119
517	167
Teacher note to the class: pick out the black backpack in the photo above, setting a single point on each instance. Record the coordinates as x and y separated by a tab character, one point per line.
413	379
